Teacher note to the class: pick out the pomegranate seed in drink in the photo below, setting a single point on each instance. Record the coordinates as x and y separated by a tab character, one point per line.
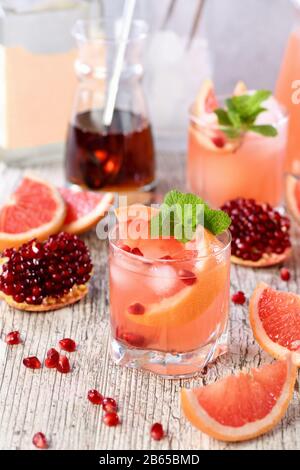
285	274
68	344
187	277
132	339
136	309
40	441
51	360
136	251
238	298
63	364
32	362
13	338
125	248
157	432
109	404
95	397
111	419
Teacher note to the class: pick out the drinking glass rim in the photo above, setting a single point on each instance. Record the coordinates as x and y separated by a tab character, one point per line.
202	124
81	26
144	259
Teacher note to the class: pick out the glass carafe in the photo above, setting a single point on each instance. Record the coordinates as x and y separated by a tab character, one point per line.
288	92
119	157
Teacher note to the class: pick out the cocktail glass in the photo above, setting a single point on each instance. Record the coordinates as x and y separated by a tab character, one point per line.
250	167
169	304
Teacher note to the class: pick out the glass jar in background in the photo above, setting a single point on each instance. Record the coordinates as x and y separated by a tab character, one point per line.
287	92
251	166
178	60
37	81
119	157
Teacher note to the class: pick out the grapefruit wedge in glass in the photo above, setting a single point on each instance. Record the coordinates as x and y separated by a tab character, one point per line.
35	210
244	406
293	196
275	321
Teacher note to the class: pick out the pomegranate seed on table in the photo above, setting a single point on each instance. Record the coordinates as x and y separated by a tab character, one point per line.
285	274
68	344
238	298
109	404
63	365
136	309
111	419
95	397
13	338
157	432
52	358
32	362
40	441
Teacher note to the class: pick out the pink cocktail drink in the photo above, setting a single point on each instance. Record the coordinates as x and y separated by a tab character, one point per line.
287	92
250	165
169	302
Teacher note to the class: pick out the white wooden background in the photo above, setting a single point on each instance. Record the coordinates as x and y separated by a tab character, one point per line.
56	404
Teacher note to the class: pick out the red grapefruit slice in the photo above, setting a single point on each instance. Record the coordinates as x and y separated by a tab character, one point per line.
243	406
275	321
240	89
34	210
84	209
293	196
206	100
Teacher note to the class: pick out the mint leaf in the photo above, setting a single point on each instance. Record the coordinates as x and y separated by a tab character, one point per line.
267	130
181	213
240	115
216	221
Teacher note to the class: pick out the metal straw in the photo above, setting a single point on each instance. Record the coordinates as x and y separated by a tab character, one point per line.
115	79
196	22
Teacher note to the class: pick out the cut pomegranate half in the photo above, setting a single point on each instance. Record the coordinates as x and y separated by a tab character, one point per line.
45	276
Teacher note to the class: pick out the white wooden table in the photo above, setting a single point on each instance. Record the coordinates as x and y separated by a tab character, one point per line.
56	404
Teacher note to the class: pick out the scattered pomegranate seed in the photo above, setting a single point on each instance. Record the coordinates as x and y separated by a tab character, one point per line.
13	338
157	432
111	419
67	344
136	309
32	362
136	251
285	274
51	360
50	269
40	441
125	248
95	397
109	404
256	229
188	277
238	298
63	365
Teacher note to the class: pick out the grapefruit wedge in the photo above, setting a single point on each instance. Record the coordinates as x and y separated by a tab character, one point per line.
35	210
240	89
244	406
84	209
275	321
206	100
293	196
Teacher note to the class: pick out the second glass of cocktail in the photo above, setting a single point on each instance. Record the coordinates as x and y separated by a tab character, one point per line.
169	299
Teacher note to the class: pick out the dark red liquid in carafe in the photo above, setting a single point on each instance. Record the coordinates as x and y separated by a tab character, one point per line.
119	157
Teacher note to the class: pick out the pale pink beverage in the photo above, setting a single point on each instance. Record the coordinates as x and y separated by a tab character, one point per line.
288	93
169	303
249	167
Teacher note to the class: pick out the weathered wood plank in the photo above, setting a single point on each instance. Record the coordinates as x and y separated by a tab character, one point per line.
56	404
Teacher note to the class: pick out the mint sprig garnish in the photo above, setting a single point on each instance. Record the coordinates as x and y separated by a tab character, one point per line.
181	213
240	114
